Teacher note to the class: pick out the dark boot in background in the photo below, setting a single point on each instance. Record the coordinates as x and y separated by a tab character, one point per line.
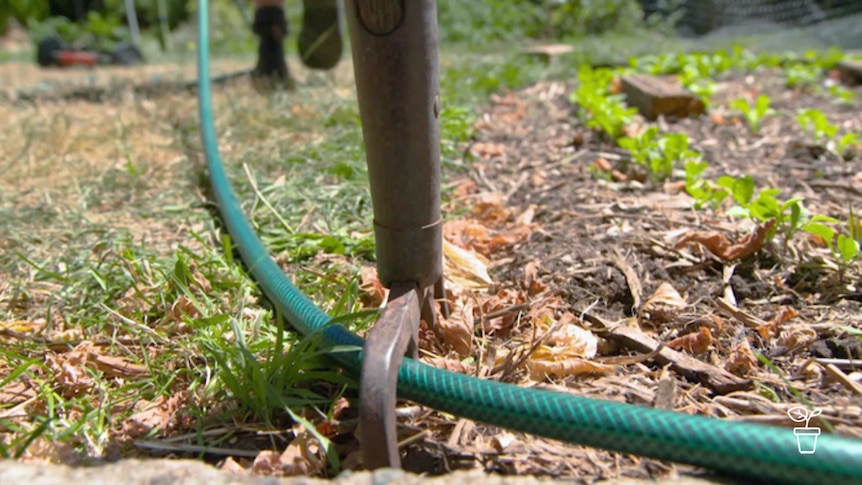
320	43
271	71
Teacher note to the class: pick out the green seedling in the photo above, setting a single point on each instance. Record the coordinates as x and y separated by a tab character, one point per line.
754	113
790	216
841	95
643	147
698	65
601	110
704	89
659	154
845	244
845	142
815	122
799	75
824	60
703	191
674	149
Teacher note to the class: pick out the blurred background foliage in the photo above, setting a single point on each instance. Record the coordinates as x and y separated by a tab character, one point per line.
473	22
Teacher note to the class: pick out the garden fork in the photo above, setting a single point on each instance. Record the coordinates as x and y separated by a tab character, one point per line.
395	63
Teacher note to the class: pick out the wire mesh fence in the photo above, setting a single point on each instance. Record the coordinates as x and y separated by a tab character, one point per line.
814	22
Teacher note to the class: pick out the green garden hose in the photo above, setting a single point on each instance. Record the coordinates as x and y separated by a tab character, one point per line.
748	450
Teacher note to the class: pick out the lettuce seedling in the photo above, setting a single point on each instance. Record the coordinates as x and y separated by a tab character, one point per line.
754	113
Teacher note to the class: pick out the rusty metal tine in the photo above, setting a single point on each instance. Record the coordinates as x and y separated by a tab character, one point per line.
428	312
440	294
393	335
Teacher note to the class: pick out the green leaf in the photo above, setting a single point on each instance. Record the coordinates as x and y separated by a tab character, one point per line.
739	211
766	207
847	247
741	188
694	169
847	140
821	218
821	230
797	214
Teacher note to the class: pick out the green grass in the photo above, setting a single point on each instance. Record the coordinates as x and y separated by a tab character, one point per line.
108	242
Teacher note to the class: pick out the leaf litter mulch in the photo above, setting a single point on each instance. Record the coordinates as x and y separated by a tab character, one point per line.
607	289
564	281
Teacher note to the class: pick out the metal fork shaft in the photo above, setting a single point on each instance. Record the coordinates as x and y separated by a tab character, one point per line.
395	63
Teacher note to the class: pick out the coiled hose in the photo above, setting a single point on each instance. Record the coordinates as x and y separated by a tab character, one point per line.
749	450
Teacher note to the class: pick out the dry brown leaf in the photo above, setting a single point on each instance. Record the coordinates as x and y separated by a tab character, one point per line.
24	326
531	279
267	462
374	293
489	208
328	426
504	299
70	372
464	187
294	461
470	234
526	218
507	237
771	328
231	466
517	108
569	336
465	267
465	233
15	392
718	244
663	306
199	283
577	339
741	360
116	366
303	456
450	365
161	414
487	150
602	165
183	306
693	343
457	330
797	335
542	369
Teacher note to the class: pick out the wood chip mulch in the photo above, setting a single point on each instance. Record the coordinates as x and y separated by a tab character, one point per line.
675	326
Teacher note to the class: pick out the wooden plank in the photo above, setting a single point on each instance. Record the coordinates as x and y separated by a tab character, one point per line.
655	96
547	52
850	71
